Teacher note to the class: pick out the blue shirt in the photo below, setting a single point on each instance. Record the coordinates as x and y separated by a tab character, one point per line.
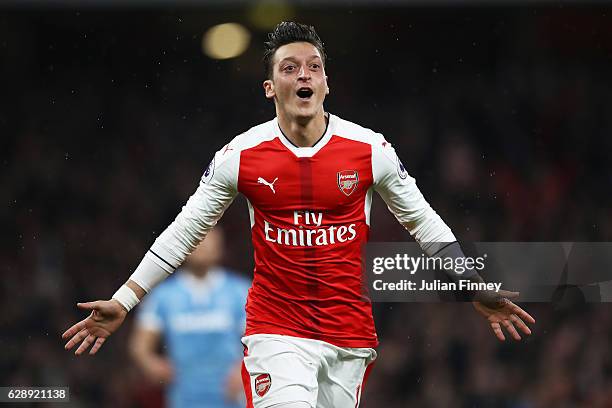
201	321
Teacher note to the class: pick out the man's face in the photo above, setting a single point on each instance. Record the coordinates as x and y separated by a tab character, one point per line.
207	254
298	83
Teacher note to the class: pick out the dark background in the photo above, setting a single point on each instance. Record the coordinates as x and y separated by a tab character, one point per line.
108	117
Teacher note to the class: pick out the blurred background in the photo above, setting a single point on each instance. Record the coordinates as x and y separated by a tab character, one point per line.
109	114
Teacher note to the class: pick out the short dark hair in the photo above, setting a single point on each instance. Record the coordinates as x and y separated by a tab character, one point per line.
289	32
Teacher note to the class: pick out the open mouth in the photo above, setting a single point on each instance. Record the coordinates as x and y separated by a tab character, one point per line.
304	93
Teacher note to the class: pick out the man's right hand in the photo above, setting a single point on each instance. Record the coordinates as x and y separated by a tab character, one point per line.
106	317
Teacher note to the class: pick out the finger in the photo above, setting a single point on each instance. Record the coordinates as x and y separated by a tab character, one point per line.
520	324
89	305
522	314
77	327
99	342
76	339
85	345
498	331
510	328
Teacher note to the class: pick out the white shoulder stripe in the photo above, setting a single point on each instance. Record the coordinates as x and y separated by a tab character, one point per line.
252	137
353	131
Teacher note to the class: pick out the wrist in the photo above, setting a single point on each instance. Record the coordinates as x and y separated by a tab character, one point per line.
126	297
122	308
488	298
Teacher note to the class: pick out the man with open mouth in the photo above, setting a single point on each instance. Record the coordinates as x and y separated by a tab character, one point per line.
308	177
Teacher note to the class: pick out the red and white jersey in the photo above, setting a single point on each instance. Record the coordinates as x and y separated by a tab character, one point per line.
310	217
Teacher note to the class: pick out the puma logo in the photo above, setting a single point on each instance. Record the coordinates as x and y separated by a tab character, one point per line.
260	180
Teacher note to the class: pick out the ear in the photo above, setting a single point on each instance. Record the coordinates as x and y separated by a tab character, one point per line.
268	86
326	85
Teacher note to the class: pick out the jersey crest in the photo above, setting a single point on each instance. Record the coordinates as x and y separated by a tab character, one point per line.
263	382
348	181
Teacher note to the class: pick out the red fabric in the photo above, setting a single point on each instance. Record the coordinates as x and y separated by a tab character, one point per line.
308	279
246	382
367	373
363	383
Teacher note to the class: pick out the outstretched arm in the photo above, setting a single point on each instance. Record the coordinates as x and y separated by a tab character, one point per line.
406	202
217	189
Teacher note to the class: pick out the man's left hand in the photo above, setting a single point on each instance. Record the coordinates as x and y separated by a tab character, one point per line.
500	311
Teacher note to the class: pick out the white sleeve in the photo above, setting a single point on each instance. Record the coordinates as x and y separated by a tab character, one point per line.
218	188
405	201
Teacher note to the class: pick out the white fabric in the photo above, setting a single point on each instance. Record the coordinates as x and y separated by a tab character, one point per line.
200	214
405	200
399	190
305	370
215	193
126	296
307	151
150	272
219	186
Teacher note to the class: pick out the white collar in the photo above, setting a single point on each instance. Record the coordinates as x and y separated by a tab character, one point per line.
307	151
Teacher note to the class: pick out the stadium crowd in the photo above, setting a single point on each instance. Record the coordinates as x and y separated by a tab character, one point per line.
502	115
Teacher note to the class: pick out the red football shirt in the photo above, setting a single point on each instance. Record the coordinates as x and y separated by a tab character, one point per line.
310	217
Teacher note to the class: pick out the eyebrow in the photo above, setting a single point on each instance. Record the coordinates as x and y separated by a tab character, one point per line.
293	59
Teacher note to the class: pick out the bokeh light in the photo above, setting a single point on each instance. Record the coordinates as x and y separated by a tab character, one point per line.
266	14
225	41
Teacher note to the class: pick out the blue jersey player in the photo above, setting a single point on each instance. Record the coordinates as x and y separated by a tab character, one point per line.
198	314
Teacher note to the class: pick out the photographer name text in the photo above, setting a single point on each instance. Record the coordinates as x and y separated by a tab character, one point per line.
435	285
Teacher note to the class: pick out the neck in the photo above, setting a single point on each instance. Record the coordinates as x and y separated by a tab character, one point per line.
303	133
199	273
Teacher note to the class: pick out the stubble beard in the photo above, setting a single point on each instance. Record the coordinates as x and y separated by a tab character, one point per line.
304	116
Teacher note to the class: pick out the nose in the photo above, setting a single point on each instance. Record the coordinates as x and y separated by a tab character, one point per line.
304	73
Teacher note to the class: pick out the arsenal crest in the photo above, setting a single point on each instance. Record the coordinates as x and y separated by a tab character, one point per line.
348	181
263	382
